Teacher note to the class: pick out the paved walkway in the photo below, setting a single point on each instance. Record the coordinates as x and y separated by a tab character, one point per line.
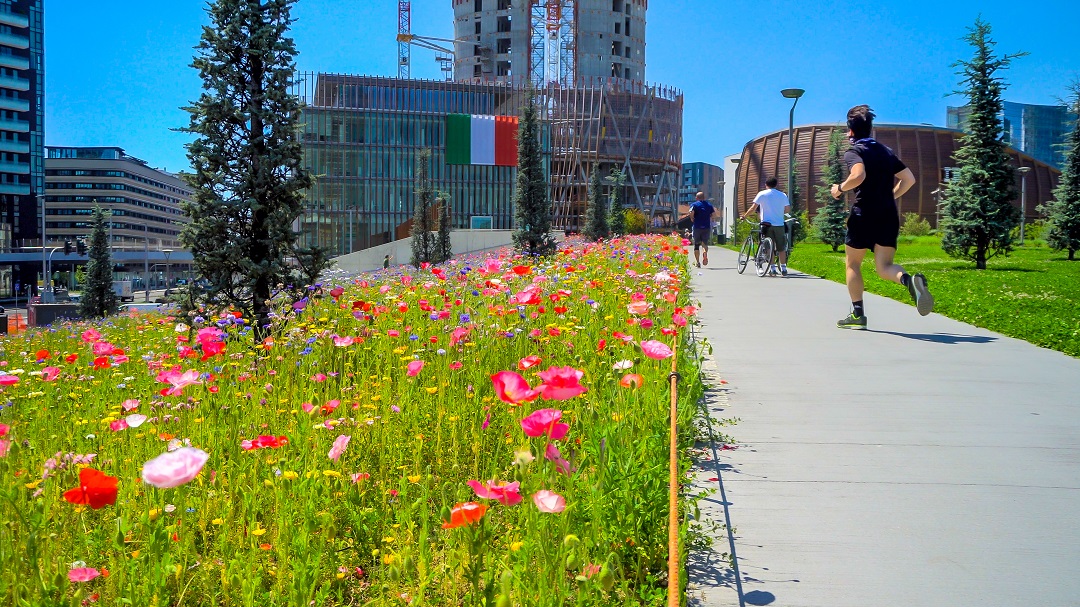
924	462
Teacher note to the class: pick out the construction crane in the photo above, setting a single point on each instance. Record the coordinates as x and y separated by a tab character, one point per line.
443	55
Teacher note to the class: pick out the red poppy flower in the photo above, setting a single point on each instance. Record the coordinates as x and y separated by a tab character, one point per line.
465	514
95	488
43	355
522	270
71	358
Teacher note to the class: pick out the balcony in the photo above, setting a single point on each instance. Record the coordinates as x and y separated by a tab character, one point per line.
14	19
18	168
14	41
15	147
19	189
14	83
17	126
14	104
14	62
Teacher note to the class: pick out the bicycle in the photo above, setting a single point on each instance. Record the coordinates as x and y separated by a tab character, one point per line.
763	251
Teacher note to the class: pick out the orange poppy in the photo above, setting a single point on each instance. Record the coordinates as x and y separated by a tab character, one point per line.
465	514
95	488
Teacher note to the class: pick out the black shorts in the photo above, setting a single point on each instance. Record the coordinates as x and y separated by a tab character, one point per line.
865	231
701	237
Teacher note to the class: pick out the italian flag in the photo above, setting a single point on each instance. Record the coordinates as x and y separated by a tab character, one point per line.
485	140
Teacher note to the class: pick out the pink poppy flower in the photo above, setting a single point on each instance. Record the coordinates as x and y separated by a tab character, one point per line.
339	446
50	373
5	445
505	493
638	308
458	335
561	383
526	297
130	404
632	380
678	319
656	350
118	425
178	380
4	429
512	388
174	468
342	342
545	421
209	334
455	365
393	333
8	380
90	336
414	368
103	348
552	454
359	476
83	574
549	501
528	361
134	420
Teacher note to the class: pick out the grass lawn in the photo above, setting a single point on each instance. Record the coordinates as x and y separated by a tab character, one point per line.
1033	294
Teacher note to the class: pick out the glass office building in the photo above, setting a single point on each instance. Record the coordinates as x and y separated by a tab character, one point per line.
360	138
22	127
1037	130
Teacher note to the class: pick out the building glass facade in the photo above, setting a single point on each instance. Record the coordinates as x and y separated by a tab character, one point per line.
360	137
701	177
22	128
1037	130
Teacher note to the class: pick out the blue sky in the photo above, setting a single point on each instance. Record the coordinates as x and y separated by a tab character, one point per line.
117	72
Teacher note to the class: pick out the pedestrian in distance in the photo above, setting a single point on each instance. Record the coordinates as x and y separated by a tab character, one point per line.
878	178
702	213
386	261
772	205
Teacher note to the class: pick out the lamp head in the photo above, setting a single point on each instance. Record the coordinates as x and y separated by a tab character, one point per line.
1024	170
792	93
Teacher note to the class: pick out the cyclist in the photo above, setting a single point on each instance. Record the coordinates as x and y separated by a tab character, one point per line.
772	205
878	178
702	212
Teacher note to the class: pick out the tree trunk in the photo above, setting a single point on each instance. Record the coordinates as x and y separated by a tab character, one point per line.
260	233
1071	253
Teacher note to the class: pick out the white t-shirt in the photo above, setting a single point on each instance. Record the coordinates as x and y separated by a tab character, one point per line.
771	203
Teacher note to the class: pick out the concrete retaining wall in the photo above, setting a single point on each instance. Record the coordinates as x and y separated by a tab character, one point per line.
400	251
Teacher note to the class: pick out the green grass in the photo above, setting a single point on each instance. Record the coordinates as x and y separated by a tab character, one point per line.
1032	294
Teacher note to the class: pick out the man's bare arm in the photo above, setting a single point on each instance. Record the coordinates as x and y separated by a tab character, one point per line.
906	179
857	176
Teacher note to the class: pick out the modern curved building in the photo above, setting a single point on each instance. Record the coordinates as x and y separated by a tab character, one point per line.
926	150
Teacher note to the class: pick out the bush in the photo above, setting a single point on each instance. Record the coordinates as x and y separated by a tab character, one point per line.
915	225
636	221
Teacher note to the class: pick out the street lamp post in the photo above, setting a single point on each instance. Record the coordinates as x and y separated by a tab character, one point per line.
1023	199
44	259
167	253
791	94
937	206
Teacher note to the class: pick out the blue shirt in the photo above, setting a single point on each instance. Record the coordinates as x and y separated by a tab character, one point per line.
702	212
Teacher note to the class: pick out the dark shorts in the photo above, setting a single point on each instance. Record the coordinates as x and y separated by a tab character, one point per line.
701	237
779	237
866	231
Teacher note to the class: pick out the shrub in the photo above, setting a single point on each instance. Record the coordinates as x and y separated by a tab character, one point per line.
636	221
915	225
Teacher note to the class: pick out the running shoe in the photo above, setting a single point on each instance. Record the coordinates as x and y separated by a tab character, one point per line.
924	301
783	271
852	322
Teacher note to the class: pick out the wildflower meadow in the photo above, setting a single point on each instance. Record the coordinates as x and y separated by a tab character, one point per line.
489	431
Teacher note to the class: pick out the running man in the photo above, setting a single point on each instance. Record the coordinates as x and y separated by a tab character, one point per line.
878	178
702	212
772	204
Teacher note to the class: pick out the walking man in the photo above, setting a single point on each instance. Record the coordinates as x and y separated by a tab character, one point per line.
772	204
702	212
878	178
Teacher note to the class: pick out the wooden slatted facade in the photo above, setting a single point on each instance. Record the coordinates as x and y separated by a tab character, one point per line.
927	150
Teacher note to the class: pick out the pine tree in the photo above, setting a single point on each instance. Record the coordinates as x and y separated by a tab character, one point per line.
98	298
596	213
443	248
617	222
831	219
249	181
423	241
1063	212
977	213
311	262
532	203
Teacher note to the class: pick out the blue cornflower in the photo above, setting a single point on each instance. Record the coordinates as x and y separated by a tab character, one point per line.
464	318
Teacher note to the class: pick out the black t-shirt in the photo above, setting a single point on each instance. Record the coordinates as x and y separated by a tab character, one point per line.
874	196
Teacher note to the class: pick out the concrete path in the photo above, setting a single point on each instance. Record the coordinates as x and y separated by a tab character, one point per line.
924	462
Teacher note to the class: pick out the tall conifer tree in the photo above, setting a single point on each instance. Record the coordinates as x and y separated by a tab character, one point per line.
98	298
977	213
1063	212
596	214
423	241
248	181
617	223
532	202
444	250
831	219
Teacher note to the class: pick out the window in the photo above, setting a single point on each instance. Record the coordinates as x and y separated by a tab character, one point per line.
616	5
504	5
503	24
616	48
476	50
627	8
628	56
618	28
476	71
502	46
477	26
478	5
628	77
626	26
504	68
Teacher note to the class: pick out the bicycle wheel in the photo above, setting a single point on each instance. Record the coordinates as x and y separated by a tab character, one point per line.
765	256
745	253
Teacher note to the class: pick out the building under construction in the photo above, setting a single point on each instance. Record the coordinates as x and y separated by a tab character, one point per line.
583	61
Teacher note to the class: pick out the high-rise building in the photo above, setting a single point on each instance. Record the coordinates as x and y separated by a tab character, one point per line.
22	127
565	41
144	203
701	177
1037	130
